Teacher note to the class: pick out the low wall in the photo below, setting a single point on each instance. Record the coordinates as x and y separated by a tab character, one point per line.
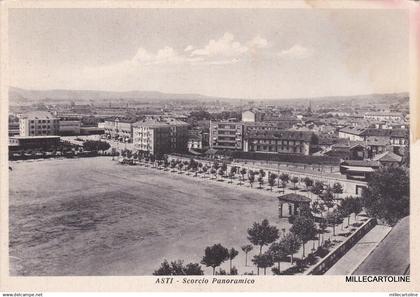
288	158
329	260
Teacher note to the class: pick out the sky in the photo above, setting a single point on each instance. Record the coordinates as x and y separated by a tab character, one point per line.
236	53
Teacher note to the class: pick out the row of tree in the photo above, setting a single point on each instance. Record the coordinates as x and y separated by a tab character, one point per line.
380	200
221	170
386	198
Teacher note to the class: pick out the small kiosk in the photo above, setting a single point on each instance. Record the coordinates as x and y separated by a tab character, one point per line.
290	204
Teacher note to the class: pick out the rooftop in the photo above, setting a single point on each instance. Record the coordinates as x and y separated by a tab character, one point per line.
360	163
159	122
354	131
359	169
295	198
388	157
35	137
375	132
384	113
286	134
385	132
37	115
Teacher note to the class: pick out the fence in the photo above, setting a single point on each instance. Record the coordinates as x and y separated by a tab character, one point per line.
329	260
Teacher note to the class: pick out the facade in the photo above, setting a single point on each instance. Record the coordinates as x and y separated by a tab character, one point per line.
160	136
195	139
14	128
69	126
226	135
251	116
38	123
292	142
399	137
120	129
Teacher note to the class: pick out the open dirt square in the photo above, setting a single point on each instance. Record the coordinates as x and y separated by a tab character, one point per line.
96	217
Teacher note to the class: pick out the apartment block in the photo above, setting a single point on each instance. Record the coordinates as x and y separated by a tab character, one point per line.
38	123
293	142
226	135
160	135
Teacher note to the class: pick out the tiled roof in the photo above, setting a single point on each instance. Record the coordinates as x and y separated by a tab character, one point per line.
353	131
385	132
296	198
388	157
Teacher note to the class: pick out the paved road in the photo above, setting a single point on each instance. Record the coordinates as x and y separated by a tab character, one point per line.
355	256
392	255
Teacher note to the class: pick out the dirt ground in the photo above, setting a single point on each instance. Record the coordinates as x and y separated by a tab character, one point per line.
95	217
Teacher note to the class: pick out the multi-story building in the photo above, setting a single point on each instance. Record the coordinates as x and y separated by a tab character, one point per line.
294	142
119	129
226	135
69	126
160	136
14	128
38	123
196	139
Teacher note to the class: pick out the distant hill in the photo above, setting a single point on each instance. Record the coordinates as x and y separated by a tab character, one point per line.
18	96
390	98
23	96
